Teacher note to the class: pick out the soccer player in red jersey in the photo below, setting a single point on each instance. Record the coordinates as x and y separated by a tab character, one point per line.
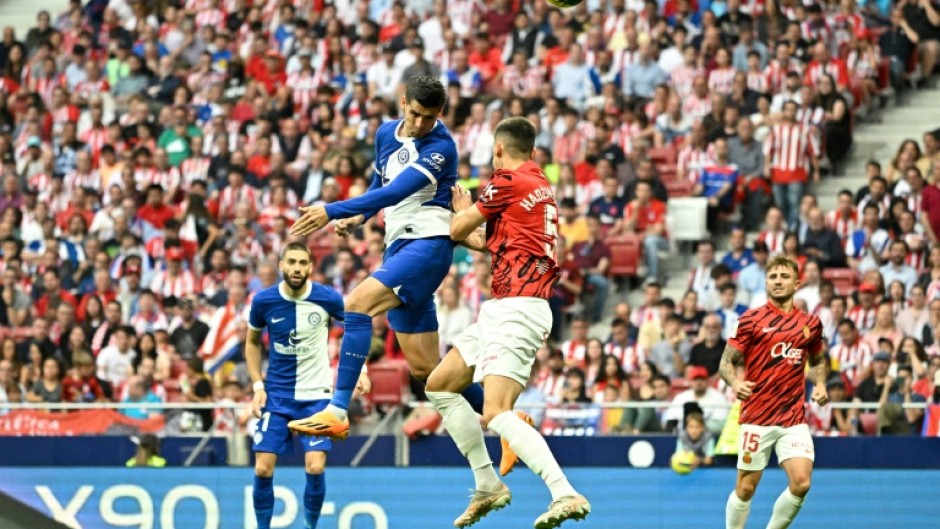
775	341
521	234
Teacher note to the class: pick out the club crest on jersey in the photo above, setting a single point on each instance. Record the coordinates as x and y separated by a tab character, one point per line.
314	319
785	350
403	156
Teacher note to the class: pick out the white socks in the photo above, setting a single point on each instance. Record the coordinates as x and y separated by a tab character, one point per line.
337	412
533	451
736	512
464	428
785	510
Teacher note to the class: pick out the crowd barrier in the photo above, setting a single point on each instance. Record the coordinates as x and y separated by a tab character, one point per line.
434	451
383	498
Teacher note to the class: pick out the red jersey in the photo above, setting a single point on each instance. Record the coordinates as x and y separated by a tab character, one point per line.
775	346
521	232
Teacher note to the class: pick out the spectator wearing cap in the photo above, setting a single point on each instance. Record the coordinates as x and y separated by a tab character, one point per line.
383	76
174	280
826	420
713	403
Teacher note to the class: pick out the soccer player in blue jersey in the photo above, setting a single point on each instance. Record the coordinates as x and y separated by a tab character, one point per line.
296	312
415	168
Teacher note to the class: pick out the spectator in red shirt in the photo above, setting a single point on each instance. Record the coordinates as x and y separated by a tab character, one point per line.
646	216
54	295
155	211
81	384
593	258
485	58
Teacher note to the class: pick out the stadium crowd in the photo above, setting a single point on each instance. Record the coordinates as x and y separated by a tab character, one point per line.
153	156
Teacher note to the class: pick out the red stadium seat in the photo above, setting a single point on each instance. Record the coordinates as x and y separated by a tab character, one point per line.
843	279
678	386
664	155
668	172
625	254
679	188
388	383
320	251
869	423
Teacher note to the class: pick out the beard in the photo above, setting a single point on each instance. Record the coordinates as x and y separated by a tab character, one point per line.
295	283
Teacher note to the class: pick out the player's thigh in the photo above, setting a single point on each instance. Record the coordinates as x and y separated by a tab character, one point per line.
315	462
413	271
511	332
371	297
452	374
755	444
796	454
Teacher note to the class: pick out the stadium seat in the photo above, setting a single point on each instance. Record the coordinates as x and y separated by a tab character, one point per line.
843	279
869	423
668	172
663	155
320	251
625	254
678	188
388	383
678	386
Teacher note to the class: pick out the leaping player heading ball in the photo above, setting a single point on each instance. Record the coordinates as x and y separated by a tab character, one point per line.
775	341
521	234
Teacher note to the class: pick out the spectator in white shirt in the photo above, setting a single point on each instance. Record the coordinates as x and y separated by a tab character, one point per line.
115	362
713	402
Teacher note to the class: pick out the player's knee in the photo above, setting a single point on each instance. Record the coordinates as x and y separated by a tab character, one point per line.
315	467
421	371
799	485
745	490
264	470
490	412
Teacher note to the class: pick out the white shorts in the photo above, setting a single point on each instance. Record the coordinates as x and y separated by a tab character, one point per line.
505	338
755	442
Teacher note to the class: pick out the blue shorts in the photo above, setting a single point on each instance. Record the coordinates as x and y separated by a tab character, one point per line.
272	434
414	269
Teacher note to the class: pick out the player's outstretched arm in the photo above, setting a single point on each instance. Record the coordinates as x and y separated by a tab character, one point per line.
317	217
468	217
728	369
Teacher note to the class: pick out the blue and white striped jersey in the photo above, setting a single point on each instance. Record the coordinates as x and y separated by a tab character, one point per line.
298	329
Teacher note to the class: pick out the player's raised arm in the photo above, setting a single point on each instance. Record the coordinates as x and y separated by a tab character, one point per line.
409	182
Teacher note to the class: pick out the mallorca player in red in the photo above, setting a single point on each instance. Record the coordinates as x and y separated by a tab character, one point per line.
775	341
521	219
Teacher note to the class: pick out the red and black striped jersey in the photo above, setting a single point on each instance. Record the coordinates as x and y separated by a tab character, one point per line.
775	346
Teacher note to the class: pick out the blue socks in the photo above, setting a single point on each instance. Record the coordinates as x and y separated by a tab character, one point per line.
263	496
313	499
474	395
353	353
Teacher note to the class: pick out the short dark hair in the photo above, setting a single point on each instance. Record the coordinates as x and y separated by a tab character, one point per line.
517	135
428	91
296	245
